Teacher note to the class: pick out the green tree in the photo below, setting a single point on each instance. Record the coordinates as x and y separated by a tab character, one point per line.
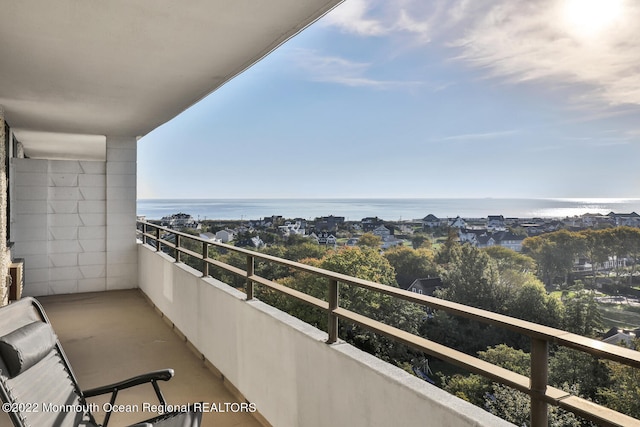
306	249
515	407
620	243
364	263
443	255
582	316
508	259
596	249
369	240
631	238
531	302
471	278
500	400
554	253
411	264
623	394
568	366
421	241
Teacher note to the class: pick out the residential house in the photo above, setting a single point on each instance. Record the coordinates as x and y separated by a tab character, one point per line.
622	337
470	235
290	228
430	221
485	241
457	222
425	286
209	236
382	231
495	223
324	238
225	236
371	223
328	223
257	242
508	240
630	220
390	242
179	220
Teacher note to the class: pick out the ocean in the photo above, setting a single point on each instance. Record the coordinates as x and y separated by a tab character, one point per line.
386	209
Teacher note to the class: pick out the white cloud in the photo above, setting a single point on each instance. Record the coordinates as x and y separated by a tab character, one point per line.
523	41
481	135
334	69
518	41
351	17
378	18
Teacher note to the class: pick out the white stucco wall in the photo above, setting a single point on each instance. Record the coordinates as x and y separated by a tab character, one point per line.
74	222
284	366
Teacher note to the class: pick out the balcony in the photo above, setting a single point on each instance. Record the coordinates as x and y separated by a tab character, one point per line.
69	207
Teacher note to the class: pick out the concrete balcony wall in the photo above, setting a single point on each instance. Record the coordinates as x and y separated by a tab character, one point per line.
284	366
73	222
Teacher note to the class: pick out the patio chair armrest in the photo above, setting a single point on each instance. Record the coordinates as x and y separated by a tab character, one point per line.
160	375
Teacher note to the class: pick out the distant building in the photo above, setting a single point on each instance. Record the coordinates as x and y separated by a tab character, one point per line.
425	286
457	222
621	337
371	223
209	236
382	231
631	219
495	222
328	223
179	220
257	242
290	228
430	221
509	240
225	236
324	238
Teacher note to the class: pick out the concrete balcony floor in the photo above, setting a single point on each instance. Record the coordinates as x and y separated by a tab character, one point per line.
110	336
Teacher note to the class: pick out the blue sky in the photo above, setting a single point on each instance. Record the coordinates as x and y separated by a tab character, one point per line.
455	98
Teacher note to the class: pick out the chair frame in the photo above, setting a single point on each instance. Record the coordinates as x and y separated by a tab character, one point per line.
150	377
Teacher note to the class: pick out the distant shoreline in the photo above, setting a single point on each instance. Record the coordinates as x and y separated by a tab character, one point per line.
389	209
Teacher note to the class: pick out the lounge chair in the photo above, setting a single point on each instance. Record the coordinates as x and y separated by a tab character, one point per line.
38	387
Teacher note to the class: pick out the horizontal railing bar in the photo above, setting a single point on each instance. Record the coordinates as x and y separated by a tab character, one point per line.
455	357
229	268
190	252
168	243
316	302
598	414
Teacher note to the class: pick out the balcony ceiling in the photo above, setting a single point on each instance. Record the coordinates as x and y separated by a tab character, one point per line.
124	67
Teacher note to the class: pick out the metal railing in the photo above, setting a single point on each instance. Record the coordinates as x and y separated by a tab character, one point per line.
536	386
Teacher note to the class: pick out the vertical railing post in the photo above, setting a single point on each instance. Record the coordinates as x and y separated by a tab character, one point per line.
250	270
333	319
178	253
157	239
205	255
539	379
